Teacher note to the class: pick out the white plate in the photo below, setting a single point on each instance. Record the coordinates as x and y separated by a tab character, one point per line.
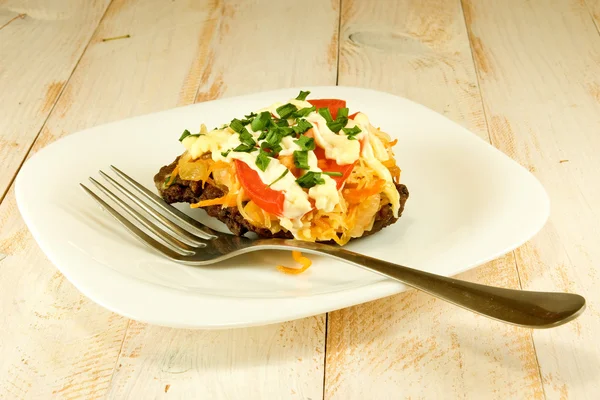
468	204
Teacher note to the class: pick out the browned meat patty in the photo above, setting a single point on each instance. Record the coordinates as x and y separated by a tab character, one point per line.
182	191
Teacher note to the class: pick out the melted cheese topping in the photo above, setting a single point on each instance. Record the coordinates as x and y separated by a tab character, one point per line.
337	146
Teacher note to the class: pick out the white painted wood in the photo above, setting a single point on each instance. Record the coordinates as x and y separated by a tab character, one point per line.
38	52
412	345
538	64
594	8
60	344
285	360
540	81
276	361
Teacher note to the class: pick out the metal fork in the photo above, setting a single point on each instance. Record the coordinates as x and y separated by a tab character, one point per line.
185	240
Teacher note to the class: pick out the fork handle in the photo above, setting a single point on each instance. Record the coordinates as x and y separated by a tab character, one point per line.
517	307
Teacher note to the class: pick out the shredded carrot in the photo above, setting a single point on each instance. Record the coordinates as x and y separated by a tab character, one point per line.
216	165
395	171
389	163
358	195
172	177
227	201
300	259
392	143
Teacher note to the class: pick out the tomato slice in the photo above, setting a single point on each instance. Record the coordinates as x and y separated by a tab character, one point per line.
266	198
333	104
351	116
328	165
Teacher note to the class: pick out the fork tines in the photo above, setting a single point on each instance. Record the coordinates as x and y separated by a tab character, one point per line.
178	234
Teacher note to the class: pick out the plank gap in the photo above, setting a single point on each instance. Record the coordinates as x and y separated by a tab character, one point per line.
64	86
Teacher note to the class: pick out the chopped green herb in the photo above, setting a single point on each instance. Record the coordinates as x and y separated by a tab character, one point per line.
352	132
302	95
336	126
274	136
237	125
226	153
185	134
324	112
282	122
303	112
271	149
246	138
305	143
340	120
332	173
302	126
259	123
244	148
286	130
280	177
286	110
301	159
248	118
166	183
263	160
310	179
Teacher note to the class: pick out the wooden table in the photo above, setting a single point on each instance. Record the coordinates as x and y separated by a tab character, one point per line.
523	74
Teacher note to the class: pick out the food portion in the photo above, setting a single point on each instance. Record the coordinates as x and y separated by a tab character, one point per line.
304	169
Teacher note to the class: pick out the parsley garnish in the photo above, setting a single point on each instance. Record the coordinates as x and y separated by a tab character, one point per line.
352	132
303	112
302	126
286	110
305	143
263	160
280	177
302	95
226	153
259	123
301	159
310	179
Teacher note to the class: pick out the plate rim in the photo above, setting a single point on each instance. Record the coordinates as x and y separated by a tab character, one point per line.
324	302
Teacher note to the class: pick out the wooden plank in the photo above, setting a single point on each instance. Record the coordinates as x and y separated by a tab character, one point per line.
40	44
59	343
283	360
594	8
540	82
412	345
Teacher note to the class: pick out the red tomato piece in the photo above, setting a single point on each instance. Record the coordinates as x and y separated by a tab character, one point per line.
333	104
351	116
266	198
328	165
